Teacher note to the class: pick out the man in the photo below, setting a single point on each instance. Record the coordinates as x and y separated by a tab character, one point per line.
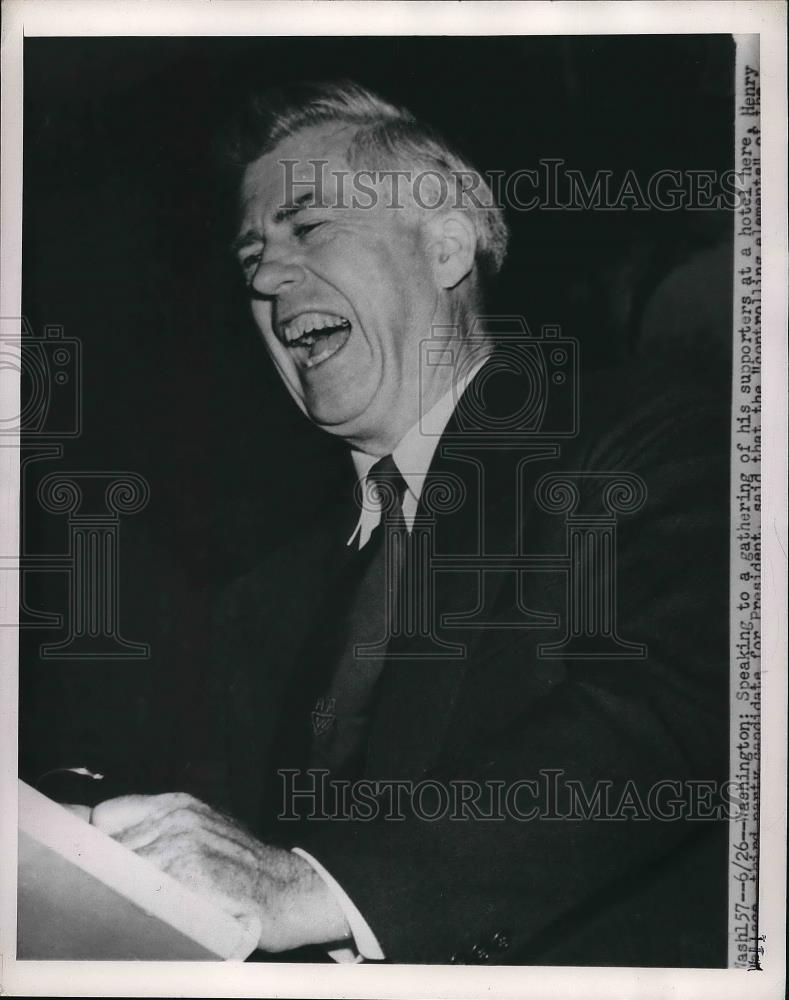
521	608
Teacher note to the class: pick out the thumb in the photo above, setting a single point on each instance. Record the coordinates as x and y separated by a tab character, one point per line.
252	924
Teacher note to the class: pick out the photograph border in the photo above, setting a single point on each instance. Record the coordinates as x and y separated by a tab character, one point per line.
204	18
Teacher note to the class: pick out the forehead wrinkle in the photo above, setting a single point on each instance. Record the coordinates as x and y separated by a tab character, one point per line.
336	149
260	188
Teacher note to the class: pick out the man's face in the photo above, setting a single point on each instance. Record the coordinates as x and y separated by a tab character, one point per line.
342	295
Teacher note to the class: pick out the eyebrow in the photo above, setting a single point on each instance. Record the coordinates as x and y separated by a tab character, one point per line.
252	236
285	213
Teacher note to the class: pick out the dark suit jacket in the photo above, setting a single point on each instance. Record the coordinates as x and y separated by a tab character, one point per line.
632	891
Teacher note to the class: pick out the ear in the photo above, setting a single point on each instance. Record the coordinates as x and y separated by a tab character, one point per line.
452	244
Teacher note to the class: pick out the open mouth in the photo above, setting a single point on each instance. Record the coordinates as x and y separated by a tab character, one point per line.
313	337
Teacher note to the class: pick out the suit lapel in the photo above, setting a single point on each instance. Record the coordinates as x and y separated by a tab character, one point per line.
470	504
424	673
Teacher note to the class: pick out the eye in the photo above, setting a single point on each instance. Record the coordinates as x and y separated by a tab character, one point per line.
302	228
249	262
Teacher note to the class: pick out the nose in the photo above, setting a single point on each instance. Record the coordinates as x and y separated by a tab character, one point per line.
274	277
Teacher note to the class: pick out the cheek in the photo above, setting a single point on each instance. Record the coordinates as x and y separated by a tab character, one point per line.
261	315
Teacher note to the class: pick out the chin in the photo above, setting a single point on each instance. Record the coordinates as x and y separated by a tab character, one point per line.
332	412
337	400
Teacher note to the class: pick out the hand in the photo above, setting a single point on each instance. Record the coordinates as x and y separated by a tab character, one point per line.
213	855
82	811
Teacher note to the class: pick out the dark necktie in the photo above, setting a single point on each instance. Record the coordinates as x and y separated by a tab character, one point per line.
341	716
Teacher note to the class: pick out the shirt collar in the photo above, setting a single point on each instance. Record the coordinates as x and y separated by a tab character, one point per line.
415	451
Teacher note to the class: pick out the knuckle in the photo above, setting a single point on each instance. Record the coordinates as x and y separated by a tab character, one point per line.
184	799
183	844
184	817
173	800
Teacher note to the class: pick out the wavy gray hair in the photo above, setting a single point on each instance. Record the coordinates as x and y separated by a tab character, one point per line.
385	133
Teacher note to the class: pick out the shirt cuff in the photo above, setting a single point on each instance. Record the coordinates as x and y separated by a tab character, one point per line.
366	943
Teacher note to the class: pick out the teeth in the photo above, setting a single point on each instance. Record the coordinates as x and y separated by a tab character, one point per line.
312	351
325	353
312	322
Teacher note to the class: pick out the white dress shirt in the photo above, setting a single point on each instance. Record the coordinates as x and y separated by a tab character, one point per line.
412	456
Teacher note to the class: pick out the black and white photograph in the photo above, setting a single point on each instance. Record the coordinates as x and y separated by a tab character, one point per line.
383	601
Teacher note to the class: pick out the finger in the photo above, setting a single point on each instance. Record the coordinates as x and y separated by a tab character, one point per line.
116	815
251	923
82	811
198	824
202	852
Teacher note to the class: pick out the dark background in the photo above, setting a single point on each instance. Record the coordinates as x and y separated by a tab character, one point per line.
127	216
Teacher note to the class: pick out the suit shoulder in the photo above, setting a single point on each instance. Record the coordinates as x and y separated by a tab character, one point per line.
294	565
637	412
